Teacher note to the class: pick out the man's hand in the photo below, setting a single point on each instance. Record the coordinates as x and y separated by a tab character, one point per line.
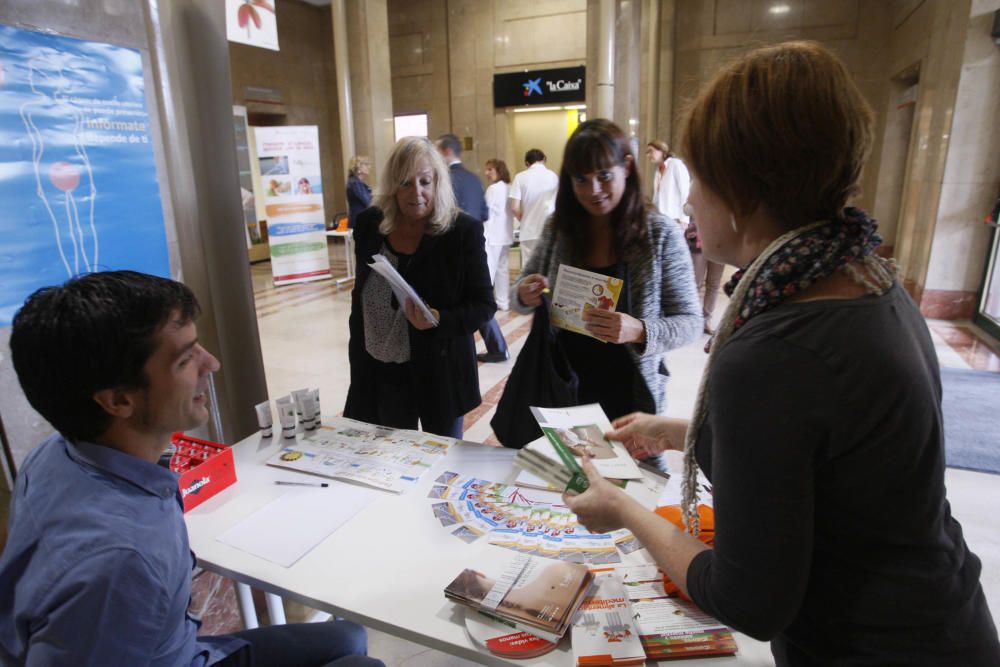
603	506
645	435
416	316
614	327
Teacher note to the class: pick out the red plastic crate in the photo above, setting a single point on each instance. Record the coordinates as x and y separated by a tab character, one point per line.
205	468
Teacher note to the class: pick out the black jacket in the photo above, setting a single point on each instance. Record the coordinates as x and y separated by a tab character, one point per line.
449	272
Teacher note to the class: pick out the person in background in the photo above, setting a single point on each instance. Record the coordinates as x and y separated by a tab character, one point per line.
499	230
470	198
303	187
532	200
818	421
601	223
671	182
97	567
359	193
406	367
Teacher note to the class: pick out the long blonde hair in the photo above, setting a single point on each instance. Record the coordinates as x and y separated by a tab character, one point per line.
401	167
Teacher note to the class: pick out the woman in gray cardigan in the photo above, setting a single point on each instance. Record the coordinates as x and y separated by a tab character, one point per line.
601	223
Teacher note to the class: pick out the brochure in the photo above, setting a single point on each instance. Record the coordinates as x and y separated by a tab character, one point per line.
576	292
402	289
569	433
669	626
538	595
604	633
349	450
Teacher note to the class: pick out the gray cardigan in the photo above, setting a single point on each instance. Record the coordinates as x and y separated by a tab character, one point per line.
663	293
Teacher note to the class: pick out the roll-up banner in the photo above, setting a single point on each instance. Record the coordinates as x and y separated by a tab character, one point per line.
293	202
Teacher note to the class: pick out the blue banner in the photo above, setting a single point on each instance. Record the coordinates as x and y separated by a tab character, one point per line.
77	173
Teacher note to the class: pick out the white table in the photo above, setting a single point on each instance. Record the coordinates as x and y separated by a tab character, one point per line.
387	567
348	237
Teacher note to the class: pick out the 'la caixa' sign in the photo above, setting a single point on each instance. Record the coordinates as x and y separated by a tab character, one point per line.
543	86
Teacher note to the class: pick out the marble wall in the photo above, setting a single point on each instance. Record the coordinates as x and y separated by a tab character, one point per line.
710	34
371	83
444	54
971	175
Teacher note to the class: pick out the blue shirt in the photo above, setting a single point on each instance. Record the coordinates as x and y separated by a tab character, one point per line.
97	568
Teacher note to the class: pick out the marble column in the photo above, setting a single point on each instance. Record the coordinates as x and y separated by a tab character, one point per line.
370	82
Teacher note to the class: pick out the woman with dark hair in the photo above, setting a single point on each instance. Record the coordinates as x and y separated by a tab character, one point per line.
818	420
601	223
406	367
499	230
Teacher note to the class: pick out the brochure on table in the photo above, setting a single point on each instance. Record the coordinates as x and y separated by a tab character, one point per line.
670	626
527	521
345	449
581	429
604	632
579	290
538	595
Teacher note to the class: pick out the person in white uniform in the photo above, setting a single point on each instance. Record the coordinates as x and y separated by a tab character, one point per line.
499	230
532	199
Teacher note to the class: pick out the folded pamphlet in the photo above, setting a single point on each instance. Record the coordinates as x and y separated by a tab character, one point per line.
604	633
579	290
569	434
402	289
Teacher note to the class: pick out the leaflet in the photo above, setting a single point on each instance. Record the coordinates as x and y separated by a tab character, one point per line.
345	449
579	290
580	429
403	290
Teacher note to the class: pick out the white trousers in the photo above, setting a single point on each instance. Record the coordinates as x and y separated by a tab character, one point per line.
527	247
498	261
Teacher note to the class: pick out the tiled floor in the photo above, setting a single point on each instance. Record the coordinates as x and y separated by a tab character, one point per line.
304	335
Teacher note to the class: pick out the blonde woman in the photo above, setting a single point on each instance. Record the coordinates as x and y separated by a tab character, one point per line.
404	368
818	421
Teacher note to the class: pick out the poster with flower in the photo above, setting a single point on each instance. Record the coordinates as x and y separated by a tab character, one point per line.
252	22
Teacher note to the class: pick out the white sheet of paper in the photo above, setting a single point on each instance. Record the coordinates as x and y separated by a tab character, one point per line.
402	289
286	529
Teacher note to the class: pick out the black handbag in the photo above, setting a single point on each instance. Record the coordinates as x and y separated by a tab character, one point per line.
541	377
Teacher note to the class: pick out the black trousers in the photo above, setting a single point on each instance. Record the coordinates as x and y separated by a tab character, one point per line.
396	403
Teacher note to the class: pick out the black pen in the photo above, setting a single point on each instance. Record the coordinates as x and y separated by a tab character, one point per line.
282	482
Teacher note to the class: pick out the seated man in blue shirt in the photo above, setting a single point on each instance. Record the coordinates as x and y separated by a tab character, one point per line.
97	568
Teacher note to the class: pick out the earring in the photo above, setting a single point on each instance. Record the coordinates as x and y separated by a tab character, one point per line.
732	223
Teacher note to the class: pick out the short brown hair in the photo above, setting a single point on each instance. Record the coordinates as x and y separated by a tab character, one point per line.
784	127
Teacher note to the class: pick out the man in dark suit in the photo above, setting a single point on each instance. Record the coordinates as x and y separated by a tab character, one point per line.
472	199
